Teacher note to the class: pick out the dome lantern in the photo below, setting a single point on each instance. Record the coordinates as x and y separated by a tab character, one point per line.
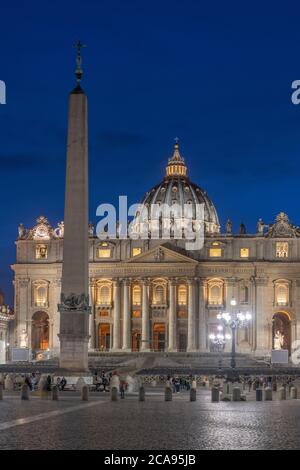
176	164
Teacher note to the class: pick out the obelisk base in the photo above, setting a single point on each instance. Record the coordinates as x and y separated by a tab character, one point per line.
73	353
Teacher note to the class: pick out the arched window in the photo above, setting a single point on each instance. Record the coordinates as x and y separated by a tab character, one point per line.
103	295
282	293
215	292
182	295
40	293
159	294
136	295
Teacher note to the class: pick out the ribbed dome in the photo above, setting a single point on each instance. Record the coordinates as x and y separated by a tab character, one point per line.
176	188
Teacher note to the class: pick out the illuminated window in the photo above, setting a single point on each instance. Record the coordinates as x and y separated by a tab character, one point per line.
136	314
182	314
136	251
182	295
282	250
159	295
40	293
136	295
215	292
103	295
282	294
104	313
215	252
41	252
104	253
244	253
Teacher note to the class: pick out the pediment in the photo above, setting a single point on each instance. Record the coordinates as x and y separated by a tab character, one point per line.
162	254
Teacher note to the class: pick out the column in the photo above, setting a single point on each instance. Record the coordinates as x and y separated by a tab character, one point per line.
145	346
191	345
172	346
116	316
203	330
126	317
93	293
261	325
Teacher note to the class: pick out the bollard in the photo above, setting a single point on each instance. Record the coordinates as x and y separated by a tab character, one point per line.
142	393
55	393
282	393
236	394
294	393
268	394
85	393
168	394
259	394
215	395
114	394
1	391
193	394
25	392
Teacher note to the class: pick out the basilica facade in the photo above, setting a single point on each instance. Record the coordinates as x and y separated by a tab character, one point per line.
154	294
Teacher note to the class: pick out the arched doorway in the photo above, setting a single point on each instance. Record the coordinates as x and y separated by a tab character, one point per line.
40	331
159	337
135	340
104	336
281	331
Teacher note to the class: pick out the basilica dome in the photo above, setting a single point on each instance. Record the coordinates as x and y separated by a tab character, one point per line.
176	188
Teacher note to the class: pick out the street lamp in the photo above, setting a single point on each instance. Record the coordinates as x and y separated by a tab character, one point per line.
234	321
219	341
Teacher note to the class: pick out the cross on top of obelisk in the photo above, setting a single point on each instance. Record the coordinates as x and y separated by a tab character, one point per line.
79	45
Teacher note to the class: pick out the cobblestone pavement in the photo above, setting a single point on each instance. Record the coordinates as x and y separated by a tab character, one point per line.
153	424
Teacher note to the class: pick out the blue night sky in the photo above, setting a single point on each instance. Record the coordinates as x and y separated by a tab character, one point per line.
216	74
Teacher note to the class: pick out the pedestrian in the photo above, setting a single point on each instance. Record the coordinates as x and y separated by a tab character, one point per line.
48	383
122	389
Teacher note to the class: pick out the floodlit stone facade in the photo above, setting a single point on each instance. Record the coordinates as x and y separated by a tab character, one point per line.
154	295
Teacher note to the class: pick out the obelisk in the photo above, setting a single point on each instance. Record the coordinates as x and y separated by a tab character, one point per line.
74	307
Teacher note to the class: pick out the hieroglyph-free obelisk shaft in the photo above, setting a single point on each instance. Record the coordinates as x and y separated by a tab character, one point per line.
74	307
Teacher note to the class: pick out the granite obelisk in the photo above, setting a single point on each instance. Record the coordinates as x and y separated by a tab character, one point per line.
74	307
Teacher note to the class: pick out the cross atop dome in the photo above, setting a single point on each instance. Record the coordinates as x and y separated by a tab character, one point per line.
176	164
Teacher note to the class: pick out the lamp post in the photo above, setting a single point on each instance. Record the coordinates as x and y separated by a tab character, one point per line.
234	321
219	341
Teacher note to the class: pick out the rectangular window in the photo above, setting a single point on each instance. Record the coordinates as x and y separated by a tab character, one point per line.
104	253
282	250
244	253
215	252
136	251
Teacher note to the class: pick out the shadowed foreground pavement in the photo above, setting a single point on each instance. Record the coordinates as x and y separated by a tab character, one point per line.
154	424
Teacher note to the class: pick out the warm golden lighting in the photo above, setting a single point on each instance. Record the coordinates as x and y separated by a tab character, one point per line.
136	295
182	295
136	314
215	292
40	293
282	249
158	295
215	252
103	295
244	253
176	165
136	251
282	294
104	253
